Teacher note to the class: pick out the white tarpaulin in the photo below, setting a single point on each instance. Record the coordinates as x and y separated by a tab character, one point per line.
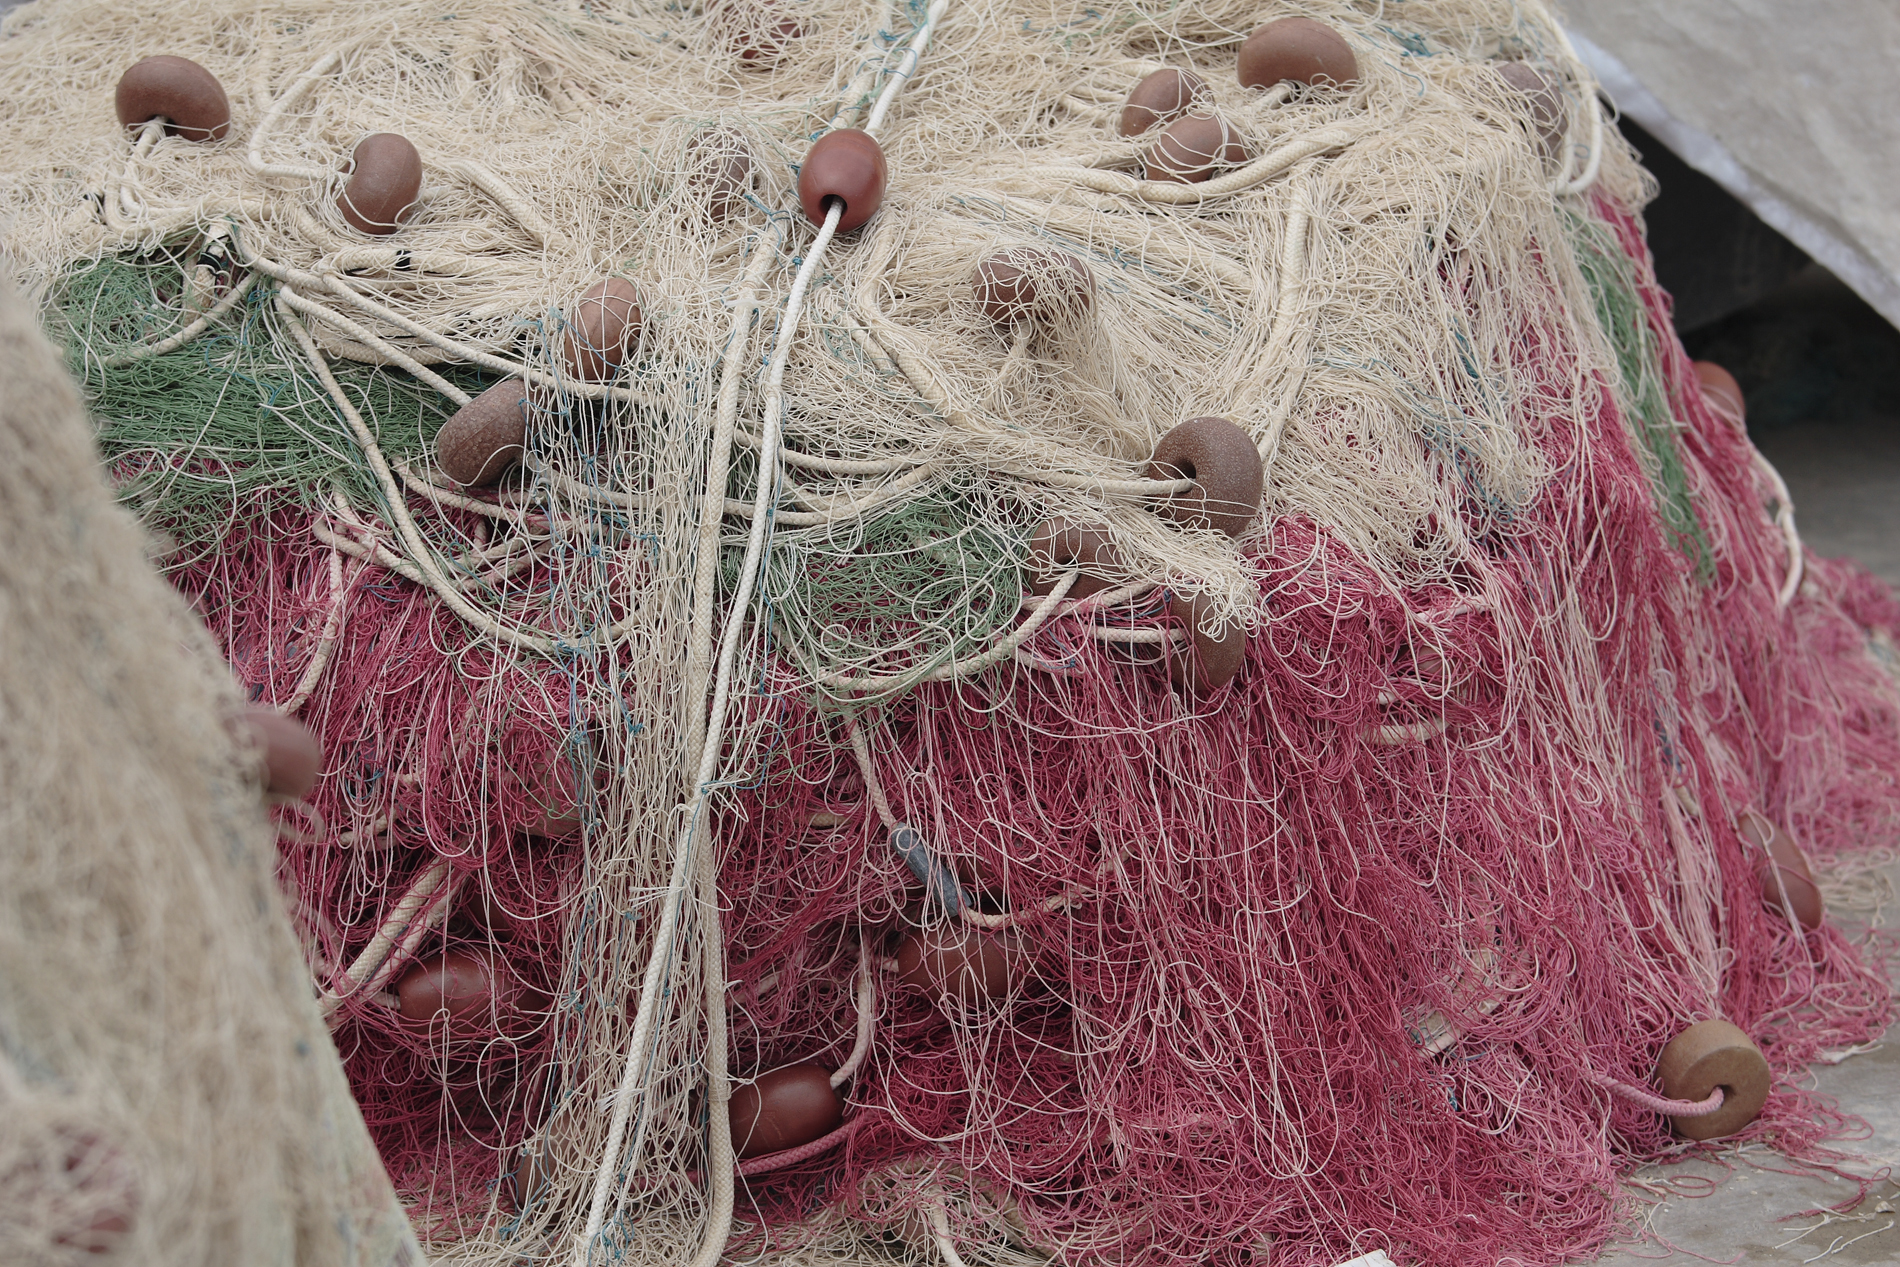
1793	106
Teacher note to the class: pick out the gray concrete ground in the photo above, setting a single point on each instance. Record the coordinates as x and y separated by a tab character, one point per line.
1747	1210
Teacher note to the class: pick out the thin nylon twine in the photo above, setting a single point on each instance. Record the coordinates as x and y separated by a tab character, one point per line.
739	679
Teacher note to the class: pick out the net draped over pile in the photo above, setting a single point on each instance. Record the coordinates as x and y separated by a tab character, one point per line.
1334	957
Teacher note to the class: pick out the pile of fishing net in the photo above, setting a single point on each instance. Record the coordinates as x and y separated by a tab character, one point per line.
907	666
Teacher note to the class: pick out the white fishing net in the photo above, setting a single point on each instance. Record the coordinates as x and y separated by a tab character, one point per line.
167	1091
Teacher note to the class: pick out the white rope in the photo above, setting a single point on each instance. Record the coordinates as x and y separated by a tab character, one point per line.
880	496
122	198
430	896
1002	650
1110	633
1101	600
253	156
720	1216
720	1161
940	1230
326	642
337	286
406	529
506	197
906	64
647	1016
867	1018
1565	184
534	521
1588	177
186	335
873	786
389	351
857	93
1286	308
1262	169
1417	732
1791	538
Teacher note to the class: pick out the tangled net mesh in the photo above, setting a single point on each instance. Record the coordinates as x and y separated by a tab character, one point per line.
741	676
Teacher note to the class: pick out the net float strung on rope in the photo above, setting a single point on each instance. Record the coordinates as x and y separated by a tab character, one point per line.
525	1185
1210	660
1224	464
847	165
1192	148
785	1108
953	961
603	326
761	35
1297	51
485	437
1787	881
1032	283
1707	1055
385	179
471	991
1058	545
1722	390
1160	98
178	90
722	172
287	755
1543	94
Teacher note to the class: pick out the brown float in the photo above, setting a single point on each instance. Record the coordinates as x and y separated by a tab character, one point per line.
847	165
472	992
385	179
1192	148
287	754
1210	660
1298	51
1059	545
603	326
956	962
1543	94
783	1109
486	436
1787	881
722	171
1224	464
1160	98
178	90
1032	283
1722	390
1707	1055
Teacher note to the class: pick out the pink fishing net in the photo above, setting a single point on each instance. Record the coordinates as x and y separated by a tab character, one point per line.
1332	957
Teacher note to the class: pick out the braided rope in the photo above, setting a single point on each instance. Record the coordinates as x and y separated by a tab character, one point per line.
1660	1104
